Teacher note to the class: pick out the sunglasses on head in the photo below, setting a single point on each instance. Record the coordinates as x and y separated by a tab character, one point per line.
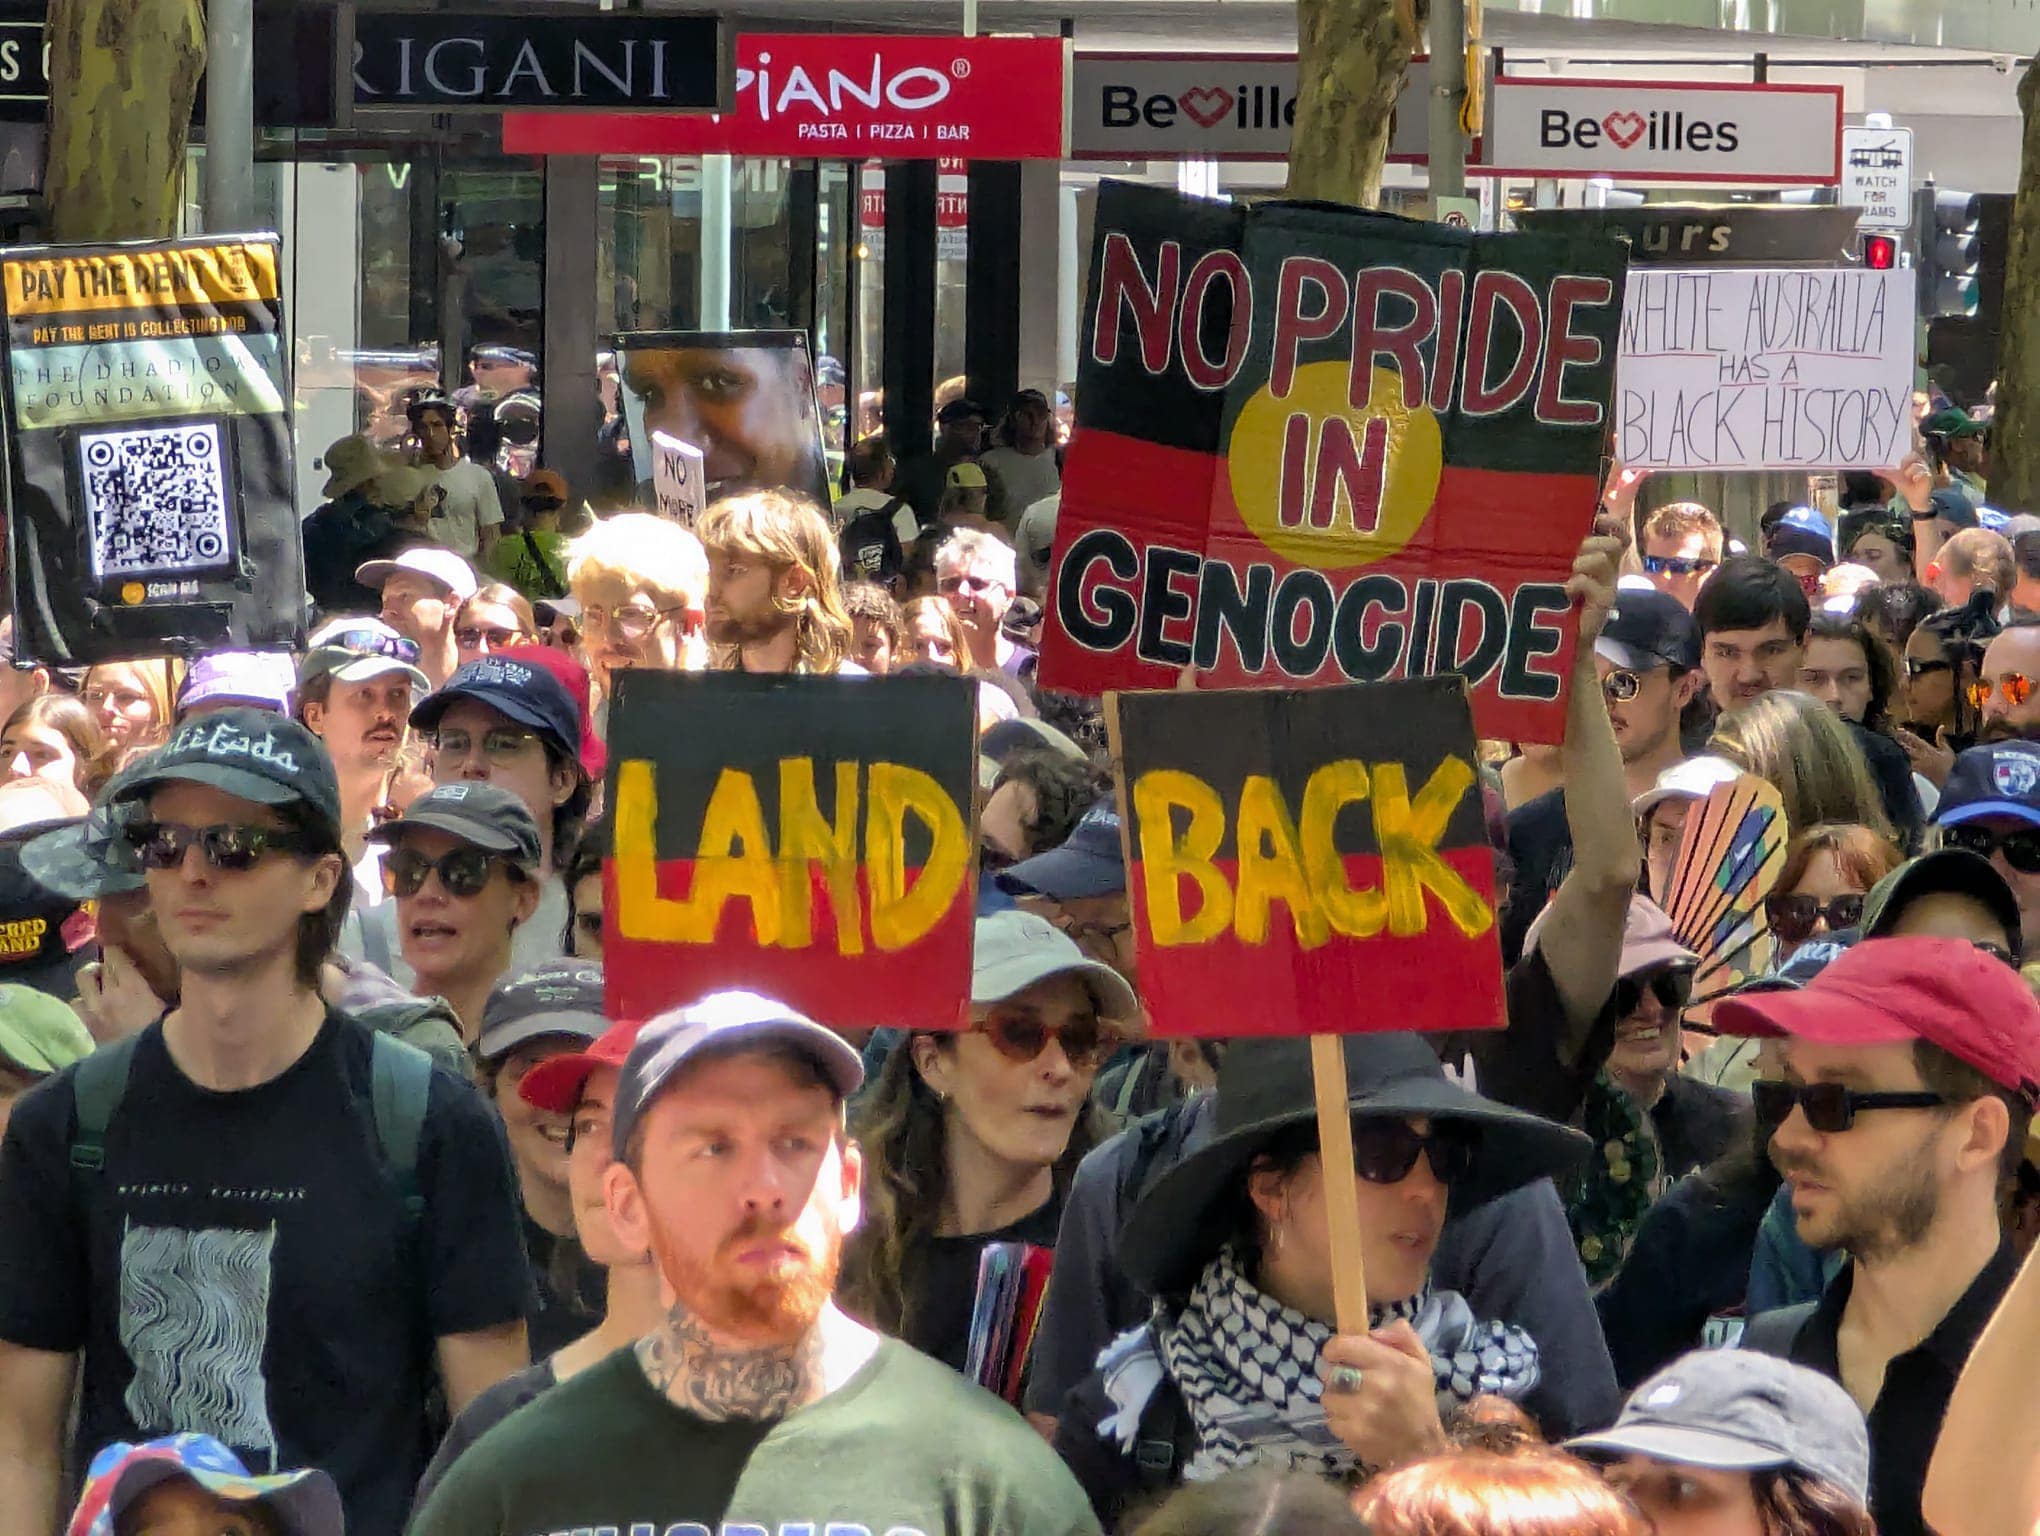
1677	565
1386	1150
369	642
1671	986
163	844
1829	1107
1792	917
463	871
2021	848
1021	1037
2016	687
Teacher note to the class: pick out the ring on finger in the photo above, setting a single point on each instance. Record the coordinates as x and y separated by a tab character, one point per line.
1346	1378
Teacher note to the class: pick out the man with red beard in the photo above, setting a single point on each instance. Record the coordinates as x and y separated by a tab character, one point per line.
756	1405
1910	1067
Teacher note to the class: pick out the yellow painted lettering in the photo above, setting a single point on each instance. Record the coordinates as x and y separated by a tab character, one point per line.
1358	914
641	912
734	862
901	914
1408	833
805	837
1271	869
1165	863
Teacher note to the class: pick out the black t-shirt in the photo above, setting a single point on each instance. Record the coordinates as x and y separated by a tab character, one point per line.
242	1266
1892	771
570	1289
1540	855
941	1282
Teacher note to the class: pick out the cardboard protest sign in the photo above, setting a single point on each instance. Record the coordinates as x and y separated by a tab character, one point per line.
806	837
150	484
746	399
1320	445
1765	368
677	478
1310	861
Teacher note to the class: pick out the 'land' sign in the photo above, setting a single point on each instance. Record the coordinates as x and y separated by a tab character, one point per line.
1788	368
149	492
1319	445
805	837
1323	853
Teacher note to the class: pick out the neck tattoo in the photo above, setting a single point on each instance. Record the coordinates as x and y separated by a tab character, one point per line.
709	1379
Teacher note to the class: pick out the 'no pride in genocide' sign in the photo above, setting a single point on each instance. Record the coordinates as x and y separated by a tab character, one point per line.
1319	445
1765	368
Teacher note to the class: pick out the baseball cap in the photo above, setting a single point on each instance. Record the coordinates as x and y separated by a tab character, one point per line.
1952	421
306	1502
555	1084
44	935
543	485
516	687
1802	531
1014	950
265	679
966	477
960	410
1807	962
39	1033
427	560
558	998
1883	991
574	678
1949	505
1735	1410
481	815
253	754
1091	861
718	1023
1999	778
355	650
1694	779
1956	870
1649	629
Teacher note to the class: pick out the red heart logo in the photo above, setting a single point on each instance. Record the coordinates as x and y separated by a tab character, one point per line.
1625	128
1207	104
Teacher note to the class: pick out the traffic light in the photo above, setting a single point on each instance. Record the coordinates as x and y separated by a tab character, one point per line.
1880	252
1945	226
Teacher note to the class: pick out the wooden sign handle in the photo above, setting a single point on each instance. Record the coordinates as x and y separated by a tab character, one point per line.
1341	1184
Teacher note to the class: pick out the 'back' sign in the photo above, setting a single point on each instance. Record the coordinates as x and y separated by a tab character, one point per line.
1320	445
1309	862
804	837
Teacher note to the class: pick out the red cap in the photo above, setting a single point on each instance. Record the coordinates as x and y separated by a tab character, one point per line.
574	678
1944	991
555	1084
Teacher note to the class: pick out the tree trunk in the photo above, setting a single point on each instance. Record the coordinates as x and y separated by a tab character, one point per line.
1350	58
123	80
2015	433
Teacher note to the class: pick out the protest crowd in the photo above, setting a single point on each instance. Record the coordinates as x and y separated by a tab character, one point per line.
337	1196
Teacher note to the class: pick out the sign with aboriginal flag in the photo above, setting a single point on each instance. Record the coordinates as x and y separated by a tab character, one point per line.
1320	445
149	477
805	837
1322	852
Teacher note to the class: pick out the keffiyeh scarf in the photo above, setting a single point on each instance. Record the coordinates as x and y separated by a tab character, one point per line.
1247	1368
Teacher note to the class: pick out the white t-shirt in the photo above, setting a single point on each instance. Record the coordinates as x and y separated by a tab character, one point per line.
906	526
471	505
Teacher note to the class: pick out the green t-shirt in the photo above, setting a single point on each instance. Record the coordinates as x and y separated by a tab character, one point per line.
905	1448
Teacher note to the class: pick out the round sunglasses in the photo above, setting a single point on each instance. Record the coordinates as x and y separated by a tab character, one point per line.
1021	1037
228	846
1671	987
2015	686
463	871
1792	917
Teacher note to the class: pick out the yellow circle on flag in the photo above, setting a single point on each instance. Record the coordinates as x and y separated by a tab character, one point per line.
1325	485
133	592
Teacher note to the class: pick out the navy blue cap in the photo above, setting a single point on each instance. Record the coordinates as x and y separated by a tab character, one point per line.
1951	506
254	754
2000	778
1802	531
1650	629
1090	862
517	691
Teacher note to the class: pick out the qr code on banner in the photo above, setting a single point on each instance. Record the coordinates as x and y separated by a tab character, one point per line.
155	499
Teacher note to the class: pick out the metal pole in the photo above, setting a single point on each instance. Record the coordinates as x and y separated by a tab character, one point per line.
717	216
229	116
1448	92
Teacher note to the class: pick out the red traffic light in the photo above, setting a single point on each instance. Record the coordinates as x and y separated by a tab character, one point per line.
1880	252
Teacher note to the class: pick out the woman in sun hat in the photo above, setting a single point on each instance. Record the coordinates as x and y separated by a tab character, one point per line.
1241	1364
194	1483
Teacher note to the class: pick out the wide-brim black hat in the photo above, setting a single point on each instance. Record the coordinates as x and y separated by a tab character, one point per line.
1265	1089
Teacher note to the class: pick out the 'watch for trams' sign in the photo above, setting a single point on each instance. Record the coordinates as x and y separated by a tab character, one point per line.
1640	131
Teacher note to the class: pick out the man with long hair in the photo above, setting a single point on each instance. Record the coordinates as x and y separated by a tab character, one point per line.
756	1401
775	602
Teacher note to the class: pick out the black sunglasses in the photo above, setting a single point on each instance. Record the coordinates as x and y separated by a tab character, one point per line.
2021	848
1792	917
463	871
163	844
1385	1150
1830	1108
1671	986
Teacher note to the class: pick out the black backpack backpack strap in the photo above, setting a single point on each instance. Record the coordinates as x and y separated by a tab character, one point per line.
97	1087
1166	1440
400	1084
555	588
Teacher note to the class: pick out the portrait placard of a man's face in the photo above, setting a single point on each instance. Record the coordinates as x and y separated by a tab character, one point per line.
746	399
